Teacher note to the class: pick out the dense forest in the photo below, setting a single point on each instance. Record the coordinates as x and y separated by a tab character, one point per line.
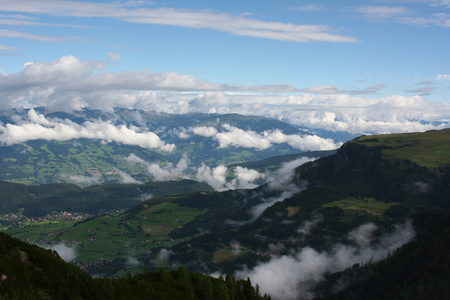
30	272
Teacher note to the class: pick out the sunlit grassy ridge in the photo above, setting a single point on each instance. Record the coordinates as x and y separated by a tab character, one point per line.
429	149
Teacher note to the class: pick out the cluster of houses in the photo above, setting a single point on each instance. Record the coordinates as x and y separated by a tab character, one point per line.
19	221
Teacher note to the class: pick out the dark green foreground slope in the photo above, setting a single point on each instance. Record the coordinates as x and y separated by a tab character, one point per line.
30	272
418	270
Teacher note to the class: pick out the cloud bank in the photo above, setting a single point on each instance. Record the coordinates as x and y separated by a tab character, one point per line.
295	276
38	127
236	137
71	83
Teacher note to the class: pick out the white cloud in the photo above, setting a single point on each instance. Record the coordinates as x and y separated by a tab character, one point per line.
295	276
164	254
215	177
127	178
132	261
443	77
70	83
67	253
283	183
241	25
162	173
381	11
82	179
206	131
236	137
38	127
18	34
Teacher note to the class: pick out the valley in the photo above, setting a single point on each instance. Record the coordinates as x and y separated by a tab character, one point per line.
332	209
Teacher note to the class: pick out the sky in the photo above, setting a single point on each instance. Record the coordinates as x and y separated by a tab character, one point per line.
356	66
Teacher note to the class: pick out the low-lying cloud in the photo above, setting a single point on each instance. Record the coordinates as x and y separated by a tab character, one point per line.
82	179
67	253
161	173
283	183
236	137
295	276
37	127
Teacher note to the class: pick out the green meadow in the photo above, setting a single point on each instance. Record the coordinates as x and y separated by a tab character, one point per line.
361	206
112	237
431	150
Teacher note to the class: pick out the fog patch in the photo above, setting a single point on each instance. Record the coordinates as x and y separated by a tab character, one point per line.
145	197
164	254
126	178
67	253
422	187
307	226
82	179
283	183
295	276
132	261
161	173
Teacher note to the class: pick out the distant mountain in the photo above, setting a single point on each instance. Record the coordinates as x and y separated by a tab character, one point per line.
90	147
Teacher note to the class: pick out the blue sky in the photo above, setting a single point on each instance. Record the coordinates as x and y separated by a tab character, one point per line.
386	54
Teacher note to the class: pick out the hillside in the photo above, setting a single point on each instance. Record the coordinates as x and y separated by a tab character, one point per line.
418	270
40	200
350	209
30	272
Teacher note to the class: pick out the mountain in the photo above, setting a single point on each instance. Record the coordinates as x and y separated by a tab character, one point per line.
331	224
86	147
40	200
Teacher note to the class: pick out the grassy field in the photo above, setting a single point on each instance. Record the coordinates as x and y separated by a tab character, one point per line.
112	237
430	149
292	210
361	206
223	255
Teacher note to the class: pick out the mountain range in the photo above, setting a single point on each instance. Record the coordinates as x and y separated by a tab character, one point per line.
369	220
92	147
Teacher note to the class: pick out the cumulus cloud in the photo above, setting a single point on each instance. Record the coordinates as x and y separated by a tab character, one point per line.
245	178
71	83
215	177
295	276
236	137
38	127
443	77
67	253
206	131
161	173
